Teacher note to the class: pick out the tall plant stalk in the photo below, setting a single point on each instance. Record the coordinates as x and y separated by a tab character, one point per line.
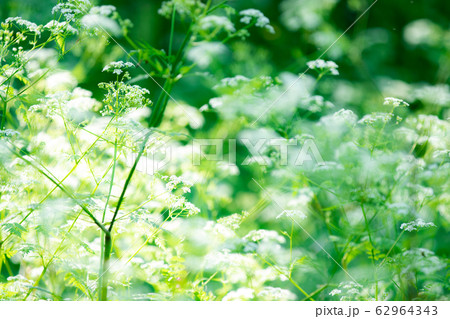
102	291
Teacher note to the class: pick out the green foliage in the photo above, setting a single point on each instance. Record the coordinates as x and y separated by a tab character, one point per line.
356	208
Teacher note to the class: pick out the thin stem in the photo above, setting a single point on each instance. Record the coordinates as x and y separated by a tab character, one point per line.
290	241
172	29
392	247
108	238
127	182
308	296
5	103
103	244
103	289
372	249
61	187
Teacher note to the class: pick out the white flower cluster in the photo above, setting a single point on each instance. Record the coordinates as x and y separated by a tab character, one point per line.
295	214
8	133
261	21
275	294
267	293
323	66
205	53
72	8
191	208
25	24
72	105
416	225
175	182
296	206
371	119
117	67
316	103
348	290
420	260
422	32
183	7
233	221
433	94
232	82
180	203
335	292
264	235
52	104
216	22
343	117
240	294
60	81
122	97
56	27
103	10
395	102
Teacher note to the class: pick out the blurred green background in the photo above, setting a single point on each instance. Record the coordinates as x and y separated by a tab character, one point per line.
398	48
396	42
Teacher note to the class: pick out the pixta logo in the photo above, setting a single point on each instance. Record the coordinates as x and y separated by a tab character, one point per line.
160	151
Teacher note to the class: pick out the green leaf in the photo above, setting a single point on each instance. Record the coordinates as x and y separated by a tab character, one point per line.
80	242
77	281
61	43
14	229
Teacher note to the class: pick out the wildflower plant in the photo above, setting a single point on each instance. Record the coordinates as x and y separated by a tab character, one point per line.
88	108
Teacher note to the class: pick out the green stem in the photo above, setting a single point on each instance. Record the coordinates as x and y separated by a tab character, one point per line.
127	182
102	291
160	105
5	103
292	281
392	247
172	29
372	249
108	238
61	187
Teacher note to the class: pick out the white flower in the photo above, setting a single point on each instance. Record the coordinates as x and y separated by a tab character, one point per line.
420	260
9	133
373	118
60	27
72	8
262	21
438	94
117	67
339	118
276	294
421	32
191	209
216	102
59	81
233	221
183	7
292	214
335	292
232	82
415	225
240	294
205	53
103	10
265	235
216	22
29	26
394	102
175	182
121	98
323	66
98	22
